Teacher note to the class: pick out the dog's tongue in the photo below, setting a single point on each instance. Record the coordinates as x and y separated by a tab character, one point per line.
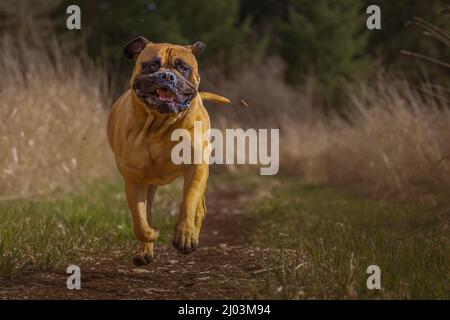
164	93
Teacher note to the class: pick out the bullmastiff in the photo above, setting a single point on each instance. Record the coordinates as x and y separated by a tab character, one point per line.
162	97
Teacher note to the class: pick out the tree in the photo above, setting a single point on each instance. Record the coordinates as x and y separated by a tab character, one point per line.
214	22
398	34
324	38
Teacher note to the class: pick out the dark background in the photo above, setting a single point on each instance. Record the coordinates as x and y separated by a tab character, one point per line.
326	40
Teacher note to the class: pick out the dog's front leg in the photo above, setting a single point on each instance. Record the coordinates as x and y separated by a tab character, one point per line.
147	247
188	226
137	201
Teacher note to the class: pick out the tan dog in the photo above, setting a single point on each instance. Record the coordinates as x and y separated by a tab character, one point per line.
163	96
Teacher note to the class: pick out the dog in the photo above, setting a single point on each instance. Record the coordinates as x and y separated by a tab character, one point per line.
162	97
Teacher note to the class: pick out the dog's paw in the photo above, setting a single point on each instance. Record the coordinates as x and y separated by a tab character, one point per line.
149	235
142	259
185	240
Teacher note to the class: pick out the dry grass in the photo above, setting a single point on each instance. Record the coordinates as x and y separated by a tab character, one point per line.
52	119
394	143
271	102
53	111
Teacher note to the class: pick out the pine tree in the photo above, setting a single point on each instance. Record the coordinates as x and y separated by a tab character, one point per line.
215	22
397	34
325	39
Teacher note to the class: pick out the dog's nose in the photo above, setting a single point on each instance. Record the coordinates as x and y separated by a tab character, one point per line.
168	76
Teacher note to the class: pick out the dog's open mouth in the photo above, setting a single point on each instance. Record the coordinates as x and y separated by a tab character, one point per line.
165	98
167	101
164	95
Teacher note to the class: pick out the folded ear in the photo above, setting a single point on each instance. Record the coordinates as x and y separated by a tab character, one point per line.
197	47
134	47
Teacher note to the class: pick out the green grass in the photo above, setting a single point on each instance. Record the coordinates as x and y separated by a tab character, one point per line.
47	233
323	240
320	240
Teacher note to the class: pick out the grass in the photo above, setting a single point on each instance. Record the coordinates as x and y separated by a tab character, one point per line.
318	241
52	118
322	241
393	141
47	233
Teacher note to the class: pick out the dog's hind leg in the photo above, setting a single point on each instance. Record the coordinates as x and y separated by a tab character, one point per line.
147	247
137	198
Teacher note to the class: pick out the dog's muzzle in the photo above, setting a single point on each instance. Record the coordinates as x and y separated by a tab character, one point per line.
165	91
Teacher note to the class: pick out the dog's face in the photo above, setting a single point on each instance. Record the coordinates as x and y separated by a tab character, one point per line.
165	76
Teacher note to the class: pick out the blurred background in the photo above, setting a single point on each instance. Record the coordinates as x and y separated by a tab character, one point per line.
364	123
357	108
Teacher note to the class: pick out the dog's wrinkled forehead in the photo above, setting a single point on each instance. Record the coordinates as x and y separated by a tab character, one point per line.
167	55
150	57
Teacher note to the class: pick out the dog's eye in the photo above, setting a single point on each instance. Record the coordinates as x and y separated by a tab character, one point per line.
151	67
183	69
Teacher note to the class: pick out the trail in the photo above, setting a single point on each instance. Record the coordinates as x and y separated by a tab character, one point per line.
221	268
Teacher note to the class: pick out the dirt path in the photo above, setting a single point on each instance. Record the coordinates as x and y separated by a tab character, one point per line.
222	267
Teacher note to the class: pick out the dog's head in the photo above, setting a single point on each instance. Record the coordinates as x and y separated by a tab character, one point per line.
165	76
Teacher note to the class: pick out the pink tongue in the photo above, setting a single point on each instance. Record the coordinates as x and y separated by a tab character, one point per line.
163	93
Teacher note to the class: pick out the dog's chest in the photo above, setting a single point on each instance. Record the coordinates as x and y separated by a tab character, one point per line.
159	151
162	167
149	161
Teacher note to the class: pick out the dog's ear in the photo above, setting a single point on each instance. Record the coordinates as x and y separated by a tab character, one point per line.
134	47
197	47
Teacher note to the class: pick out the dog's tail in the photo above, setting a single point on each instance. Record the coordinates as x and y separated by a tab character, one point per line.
208	96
